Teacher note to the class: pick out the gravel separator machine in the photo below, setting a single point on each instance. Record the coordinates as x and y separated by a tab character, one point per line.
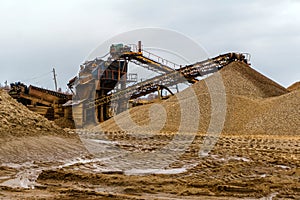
42	101
104	87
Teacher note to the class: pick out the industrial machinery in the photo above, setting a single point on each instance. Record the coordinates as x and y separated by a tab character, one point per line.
103	84
45	102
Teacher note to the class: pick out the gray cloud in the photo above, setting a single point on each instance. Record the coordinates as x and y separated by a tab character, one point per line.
38	35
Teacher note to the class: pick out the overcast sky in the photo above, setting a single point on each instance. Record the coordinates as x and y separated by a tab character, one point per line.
39	35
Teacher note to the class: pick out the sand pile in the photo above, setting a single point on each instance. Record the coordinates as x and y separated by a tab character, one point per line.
294	86
278	115
24	135
240	79
17	120
65	123
254	104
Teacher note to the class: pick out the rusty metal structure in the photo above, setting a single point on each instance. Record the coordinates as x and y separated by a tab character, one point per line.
102	85
42	101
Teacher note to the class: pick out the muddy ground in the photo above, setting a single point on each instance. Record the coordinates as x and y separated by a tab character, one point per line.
247	167
257	155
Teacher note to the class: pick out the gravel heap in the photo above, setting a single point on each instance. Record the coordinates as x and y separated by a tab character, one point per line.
17	120
65	123
294	86
27	136
240	79
254	104
280	116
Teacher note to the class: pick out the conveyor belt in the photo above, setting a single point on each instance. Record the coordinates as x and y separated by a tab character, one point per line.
174	77
150	61
53	93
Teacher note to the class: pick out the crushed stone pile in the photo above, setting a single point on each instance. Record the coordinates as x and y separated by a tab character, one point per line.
294	86
65	123
279	116
254	104
27	136
17	120
240	79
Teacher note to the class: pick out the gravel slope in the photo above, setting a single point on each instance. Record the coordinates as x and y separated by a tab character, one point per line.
254	104
26	136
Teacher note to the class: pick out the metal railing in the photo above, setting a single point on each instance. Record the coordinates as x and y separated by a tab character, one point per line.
155	57
160	60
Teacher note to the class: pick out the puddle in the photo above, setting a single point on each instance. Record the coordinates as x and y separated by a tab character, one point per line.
19	166
155	171
283	166
23	179
216	157
80	161
28	172
263	175
103	141
239	158
270	197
